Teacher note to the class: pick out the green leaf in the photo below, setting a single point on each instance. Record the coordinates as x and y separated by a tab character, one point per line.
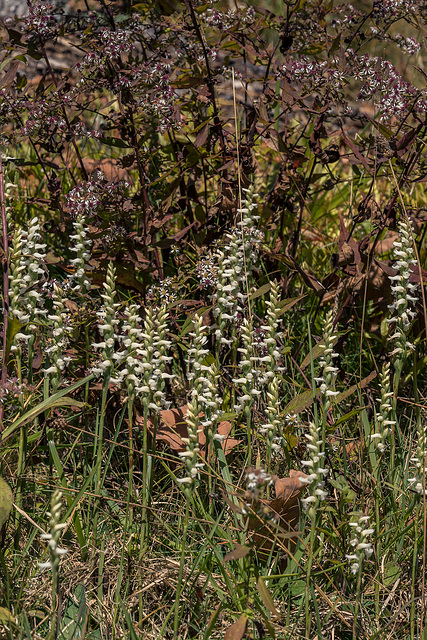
57	400
75	613
50	403
287	304
6	617
6	501
300	402
212	622
260	292
348	416
298	588
115	142
392	571
13	327
314	353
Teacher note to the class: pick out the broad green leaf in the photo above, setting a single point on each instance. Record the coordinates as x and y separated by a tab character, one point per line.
287	304
260	292
392	571
75	613
6	501
317	350
13	327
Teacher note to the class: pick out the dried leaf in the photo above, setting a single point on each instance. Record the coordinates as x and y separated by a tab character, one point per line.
240	551
172	428
202	136
346	255
237	630
360	385
284	509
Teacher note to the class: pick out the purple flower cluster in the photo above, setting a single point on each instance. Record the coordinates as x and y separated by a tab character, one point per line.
84	199
224	21
40	19
382	82
386	9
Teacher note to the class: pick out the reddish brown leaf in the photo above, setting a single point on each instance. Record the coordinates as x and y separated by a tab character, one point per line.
202	136
9	76
284	509
172	428
360	385
237	630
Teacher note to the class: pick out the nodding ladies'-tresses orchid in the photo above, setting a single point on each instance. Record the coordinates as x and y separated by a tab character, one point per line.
403	292
317	473
383	417
326	380
360	542
26	275
234	268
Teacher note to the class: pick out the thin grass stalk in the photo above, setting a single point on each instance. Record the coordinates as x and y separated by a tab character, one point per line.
130	453
414	573
357	605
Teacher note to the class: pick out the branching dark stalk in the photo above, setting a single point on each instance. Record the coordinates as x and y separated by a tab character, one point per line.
209	79
64	113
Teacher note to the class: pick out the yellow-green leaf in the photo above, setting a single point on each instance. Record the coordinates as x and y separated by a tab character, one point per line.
266	597
5	501
6	617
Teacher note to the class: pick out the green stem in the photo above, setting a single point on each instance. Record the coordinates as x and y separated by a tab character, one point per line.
313	519
357	605
144	515
180	589
131	461
99	462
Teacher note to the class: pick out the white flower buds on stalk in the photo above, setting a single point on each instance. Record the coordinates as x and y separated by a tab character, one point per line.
316	472
326	380
385	410
52	538
403	291
360	542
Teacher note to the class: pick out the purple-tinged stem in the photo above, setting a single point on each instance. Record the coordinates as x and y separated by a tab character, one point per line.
5	260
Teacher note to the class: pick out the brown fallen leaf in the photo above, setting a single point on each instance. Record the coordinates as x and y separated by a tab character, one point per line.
172	428
284	510
237	630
